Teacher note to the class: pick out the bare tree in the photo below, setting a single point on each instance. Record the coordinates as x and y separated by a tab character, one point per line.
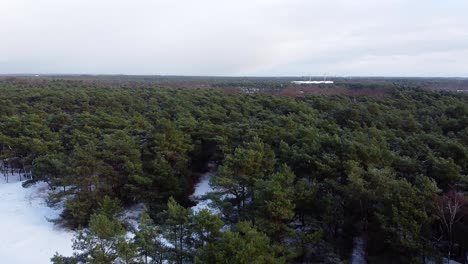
447	211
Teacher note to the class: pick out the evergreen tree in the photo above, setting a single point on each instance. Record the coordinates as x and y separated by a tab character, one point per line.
235	180
148	241
246	245
176	231
274	200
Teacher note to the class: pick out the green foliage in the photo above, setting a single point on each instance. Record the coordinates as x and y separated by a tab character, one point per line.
246	245
147	240
237	177
103	241
110	208
206	227
274	201
176	230
358	166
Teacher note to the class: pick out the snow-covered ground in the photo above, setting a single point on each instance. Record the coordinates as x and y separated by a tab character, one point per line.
444	261
202	188
359	251
26	235
131	216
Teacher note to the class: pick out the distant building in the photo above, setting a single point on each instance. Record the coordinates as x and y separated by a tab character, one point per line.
250	90
312	82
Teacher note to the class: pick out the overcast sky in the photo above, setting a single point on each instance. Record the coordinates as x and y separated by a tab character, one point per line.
235	37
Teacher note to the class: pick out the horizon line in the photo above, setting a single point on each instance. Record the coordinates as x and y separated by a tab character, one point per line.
222	76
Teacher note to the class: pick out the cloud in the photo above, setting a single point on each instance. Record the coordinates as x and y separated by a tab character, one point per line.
243	37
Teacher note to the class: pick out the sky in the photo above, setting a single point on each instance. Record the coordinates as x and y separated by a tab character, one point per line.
235	37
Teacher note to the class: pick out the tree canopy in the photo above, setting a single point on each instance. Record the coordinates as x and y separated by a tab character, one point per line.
298	178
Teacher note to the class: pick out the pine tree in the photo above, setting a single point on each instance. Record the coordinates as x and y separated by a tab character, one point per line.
148	241
104	240
246	245
274	202
206	228
176	230
235	180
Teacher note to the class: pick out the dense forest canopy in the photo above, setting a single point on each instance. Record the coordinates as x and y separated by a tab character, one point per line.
268	84
299	178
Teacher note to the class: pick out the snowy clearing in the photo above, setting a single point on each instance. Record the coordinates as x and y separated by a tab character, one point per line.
202	188
26	235
359	251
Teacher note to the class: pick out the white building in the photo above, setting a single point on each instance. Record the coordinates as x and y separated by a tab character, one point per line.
312	82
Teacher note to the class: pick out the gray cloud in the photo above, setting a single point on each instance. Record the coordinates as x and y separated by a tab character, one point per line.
243	37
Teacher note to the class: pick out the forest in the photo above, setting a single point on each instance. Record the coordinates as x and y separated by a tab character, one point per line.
299	179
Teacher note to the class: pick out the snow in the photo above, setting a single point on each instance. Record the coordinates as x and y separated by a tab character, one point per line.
359	251
26	235
202	188
444	261
131	215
